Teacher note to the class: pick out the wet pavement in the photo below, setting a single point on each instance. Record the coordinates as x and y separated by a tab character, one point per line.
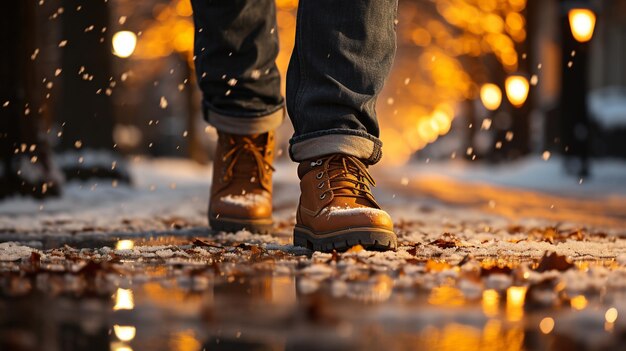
244	291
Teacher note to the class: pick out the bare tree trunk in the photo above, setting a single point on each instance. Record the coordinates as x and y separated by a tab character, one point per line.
85	110
26	157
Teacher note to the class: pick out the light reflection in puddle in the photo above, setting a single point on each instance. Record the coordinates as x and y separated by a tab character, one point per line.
185	340
118	346
124	332
491	302
494	336
187	305
515	297
446	296
124	299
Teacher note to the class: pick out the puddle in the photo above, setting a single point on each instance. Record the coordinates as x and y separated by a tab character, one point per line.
180	293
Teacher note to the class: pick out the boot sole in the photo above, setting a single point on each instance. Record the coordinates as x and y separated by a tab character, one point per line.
231	225
341	240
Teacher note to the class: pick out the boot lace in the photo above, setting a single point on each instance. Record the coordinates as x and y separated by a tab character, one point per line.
246	145
347	173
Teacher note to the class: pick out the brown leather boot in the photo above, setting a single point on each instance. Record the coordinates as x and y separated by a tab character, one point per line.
337	209
241	192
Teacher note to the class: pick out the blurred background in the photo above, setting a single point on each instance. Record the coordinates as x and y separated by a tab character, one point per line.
88	85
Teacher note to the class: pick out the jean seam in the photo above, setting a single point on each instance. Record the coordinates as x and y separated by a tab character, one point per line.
374	156
341	131
300	88
208	107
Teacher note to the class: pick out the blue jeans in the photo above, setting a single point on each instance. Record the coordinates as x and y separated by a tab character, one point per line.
343	53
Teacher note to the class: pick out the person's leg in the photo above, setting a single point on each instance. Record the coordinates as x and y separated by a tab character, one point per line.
343	54
236	44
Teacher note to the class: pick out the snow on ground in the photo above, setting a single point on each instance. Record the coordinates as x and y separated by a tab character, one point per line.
165	194
608	176
530	191
170	195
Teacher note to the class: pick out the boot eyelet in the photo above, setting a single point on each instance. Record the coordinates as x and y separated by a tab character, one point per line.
319	175
320	185
316	163
323	196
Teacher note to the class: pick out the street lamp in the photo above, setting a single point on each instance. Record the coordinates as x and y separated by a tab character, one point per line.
491	96
582	22
577	22
516	87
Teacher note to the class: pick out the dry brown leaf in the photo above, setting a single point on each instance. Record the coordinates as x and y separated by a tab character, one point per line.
554	261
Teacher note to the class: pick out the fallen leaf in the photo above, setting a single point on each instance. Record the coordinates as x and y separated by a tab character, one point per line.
553	261
446	241
198	242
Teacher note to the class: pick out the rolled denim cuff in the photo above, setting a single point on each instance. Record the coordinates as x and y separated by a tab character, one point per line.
355	143
246	124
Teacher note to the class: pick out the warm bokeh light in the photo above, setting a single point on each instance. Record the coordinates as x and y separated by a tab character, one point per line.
443	49
124	332
579	302
124	299
611	315
491	96
546	325
517	89
124	43
582	23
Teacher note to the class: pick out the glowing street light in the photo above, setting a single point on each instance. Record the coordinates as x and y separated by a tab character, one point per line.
582	22
491	96
516	89
124	43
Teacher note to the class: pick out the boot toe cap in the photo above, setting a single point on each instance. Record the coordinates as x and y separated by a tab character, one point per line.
346	217
247	206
